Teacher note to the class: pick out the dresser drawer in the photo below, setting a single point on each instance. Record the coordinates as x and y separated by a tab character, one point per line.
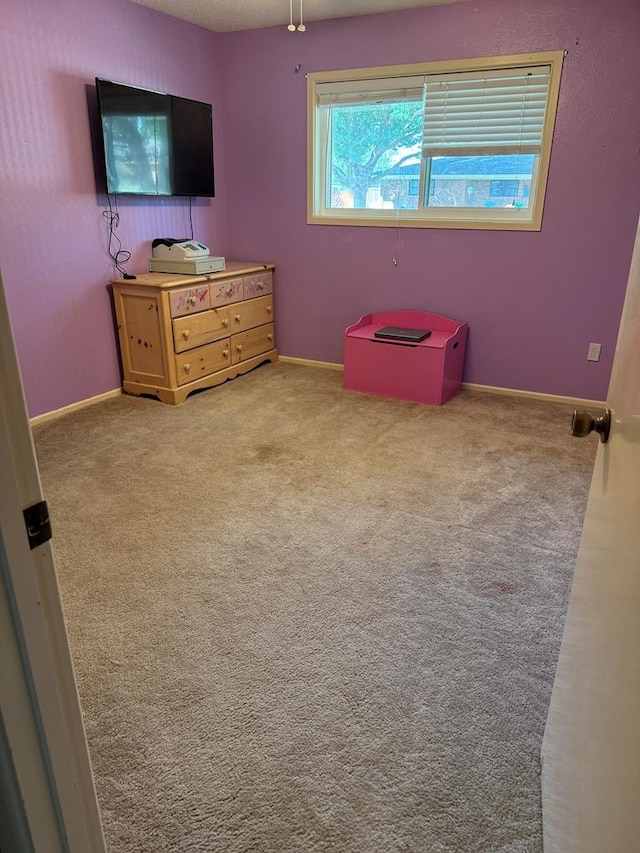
246	315
202	361
223	292
253	342
189	300
199	329
258	285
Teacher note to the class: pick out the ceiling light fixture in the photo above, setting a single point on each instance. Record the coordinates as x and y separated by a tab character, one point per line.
291	26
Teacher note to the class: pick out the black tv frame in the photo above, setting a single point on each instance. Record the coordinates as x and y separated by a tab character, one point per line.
189	162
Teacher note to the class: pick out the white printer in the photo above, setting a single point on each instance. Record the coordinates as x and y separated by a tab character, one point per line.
182	256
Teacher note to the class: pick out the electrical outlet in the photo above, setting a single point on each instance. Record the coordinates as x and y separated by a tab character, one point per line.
594	352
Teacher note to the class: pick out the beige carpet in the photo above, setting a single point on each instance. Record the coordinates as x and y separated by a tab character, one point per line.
310	620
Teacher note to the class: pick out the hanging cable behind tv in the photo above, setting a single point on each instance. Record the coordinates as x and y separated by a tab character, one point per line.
118	255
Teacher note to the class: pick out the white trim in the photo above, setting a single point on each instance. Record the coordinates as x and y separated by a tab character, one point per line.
81	404
533	395
306	362
490	389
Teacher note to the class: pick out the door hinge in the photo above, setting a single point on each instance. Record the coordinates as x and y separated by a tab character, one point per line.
38	524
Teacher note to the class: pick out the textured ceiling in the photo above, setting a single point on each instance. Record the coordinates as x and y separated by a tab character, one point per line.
227	15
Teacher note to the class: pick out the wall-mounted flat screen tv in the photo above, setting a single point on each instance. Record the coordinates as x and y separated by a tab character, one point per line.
155	143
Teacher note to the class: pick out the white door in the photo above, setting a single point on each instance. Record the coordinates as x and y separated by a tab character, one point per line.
46	783
591	747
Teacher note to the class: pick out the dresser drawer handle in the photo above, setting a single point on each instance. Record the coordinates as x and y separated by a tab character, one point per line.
239	347
269	337
237	318
230	290
260	285
225	322
193	300
269	309
186	367
225	353
186	334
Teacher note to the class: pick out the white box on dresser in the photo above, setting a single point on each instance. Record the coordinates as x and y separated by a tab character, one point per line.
181	333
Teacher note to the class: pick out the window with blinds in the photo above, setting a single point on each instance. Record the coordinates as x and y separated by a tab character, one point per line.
485	113
432	145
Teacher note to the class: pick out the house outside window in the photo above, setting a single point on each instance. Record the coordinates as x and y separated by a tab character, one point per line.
434	145
503	189
414	186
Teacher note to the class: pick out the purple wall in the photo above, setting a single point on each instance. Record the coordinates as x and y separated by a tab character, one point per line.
533	300
52	236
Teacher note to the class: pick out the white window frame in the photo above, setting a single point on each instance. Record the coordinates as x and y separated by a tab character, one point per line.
516	219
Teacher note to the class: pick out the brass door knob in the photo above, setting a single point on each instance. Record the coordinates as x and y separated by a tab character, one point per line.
582	423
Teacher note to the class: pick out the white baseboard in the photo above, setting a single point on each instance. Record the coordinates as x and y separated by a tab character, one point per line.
305	362
511	392
534	395
330	365
73	407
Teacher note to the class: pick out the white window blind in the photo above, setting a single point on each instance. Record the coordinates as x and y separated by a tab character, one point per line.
486	112
372	91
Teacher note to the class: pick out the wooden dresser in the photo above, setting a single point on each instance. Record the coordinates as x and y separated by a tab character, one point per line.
180	333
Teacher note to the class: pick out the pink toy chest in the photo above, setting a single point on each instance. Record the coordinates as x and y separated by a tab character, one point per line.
426	372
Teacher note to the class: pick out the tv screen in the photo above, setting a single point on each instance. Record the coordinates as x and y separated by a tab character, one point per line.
155	143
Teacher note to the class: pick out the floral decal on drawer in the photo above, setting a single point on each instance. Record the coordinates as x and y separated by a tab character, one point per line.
186	301
226	291
257	285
